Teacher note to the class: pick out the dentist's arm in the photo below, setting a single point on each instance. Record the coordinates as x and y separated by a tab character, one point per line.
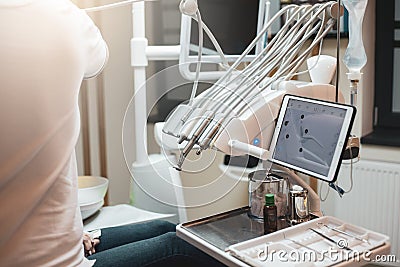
95	48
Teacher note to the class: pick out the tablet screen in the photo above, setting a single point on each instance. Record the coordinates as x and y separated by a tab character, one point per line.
311	135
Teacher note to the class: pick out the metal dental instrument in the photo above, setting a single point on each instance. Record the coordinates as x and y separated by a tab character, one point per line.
193	141
345	233
330	239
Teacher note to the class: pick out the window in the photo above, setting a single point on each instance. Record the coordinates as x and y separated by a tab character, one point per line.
387	75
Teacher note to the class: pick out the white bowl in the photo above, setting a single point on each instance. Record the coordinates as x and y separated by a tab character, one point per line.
90	209
91	189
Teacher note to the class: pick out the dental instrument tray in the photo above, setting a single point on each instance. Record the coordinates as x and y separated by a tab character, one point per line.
323	241
214	234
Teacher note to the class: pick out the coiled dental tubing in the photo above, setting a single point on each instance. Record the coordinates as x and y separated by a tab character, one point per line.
237	90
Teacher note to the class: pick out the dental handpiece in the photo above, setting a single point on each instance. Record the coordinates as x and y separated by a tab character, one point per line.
193	141
189	125
204	144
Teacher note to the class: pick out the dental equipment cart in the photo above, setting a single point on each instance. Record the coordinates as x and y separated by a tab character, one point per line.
237	240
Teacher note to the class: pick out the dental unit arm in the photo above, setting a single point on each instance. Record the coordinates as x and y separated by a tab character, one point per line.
237	114
241	103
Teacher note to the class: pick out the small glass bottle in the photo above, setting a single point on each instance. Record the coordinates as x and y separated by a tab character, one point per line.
270	214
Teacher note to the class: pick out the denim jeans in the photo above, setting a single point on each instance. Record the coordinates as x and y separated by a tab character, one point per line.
152	244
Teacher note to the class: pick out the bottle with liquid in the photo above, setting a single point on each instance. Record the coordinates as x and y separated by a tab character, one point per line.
270	214
355	57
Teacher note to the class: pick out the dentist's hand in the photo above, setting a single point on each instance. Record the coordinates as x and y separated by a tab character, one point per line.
89	244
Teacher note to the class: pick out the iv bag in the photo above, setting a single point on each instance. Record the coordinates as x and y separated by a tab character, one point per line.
355	57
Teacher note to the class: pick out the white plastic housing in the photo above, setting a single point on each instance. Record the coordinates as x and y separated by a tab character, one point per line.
321	68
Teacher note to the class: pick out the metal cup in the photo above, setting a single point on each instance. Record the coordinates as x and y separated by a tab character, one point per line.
263	182
298	206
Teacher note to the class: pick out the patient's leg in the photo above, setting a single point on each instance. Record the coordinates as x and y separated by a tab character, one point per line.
164	250
121	235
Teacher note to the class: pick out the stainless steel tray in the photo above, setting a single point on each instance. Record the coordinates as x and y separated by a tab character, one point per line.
228	228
